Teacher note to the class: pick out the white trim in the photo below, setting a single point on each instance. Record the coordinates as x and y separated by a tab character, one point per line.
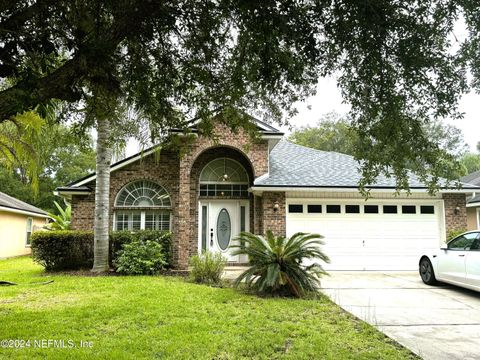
260	189
475	204
142	212
23	212
118	166
69	193
29	219
478	218
272	136
138	157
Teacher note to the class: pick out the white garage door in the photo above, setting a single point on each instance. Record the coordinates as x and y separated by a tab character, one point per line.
380	235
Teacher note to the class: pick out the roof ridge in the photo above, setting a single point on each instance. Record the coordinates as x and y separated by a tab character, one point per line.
316	150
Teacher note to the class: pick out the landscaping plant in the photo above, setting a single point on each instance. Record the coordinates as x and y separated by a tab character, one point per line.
140	258
207	268
278	263
63	220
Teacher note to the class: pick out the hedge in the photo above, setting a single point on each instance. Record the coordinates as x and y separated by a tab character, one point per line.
73	250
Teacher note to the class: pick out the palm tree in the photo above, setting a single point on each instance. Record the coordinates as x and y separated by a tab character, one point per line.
277	263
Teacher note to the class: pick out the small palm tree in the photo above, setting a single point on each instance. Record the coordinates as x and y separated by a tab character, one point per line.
277	262
63	220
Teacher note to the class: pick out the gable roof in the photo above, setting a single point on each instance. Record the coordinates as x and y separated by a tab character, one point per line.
264	128
296	166
11	204
78	186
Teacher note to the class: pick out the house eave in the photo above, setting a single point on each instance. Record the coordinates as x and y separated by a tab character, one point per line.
258	189
23	212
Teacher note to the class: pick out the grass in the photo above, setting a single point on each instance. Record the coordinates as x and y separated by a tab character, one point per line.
167	317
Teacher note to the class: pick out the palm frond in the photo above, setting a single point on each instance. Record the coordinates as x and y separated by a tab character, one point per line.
277	262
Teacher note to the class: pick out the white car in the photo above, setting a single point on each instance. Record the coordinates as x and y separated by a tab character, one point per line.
457	263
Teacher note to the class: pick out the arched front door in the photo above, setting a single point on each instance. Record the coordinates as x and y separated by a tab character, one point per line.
223	206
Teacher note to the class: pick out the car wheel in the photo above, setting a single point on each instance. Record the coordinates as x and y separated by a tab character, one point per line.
426	272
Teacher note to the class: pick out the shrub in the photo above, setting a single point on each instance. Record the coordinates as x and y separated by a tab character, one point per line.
62	250
164	238
207	268
71	250
453	233
140	258
277	263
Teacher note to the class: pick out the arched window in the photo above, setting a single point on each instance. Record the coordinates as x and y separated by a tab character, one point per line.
224	177
142	205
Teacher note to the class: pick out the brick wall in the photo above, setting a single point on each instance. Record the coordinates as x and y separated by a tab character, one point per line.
274	220
179	176
455	221
252	154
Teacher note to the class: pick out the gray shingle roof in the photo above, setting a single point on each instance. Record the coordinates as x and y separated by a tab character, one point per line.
12	203
473	178
292	165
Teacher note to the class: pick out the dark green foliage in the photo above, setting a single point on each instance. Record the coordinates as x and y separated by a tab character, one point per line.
62	157
278	264
70	250
140	258
336	133
63	250
164	238
453	233
207	268
331	133
399	65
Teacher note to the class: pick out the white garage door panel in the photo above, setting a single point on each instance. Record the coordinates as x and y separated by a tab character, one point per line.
372	241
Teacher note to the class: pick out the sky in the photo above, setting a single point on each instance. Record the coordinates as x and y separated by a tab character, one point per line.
329	98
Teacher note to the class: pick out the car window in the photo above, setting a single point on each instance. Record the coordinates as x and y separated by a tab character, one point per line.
463	242
475	246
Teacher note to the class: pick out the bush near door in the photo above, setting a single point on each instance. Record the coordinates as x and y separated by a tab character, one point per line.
207	268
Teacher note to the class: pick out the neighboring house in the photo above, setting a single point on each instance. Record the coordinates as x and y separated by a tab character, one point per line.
18	220
219	188
473	201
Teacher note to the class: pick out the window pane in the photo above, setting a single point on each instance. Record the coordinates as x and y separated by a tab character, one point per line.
136	221
295	208
164	221
352	209
29	229
389	209
142	193
121	221
151	221
314	209
409	209
427	209
370	209
157	220
242	218
461	243
334	209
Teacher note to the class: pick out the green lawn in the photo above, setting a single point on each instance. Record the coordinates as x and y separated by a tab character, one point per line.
167	317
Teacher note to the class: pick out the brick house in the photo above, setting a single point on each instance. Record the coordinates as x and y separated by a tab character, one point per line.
216	189
473	201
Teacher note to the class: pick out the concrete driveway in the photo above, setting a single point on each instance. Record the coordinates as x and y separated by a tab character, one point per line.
441	322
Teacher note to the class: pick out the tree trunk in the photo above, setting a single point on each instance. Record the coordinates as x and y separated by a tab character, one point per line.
102	197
